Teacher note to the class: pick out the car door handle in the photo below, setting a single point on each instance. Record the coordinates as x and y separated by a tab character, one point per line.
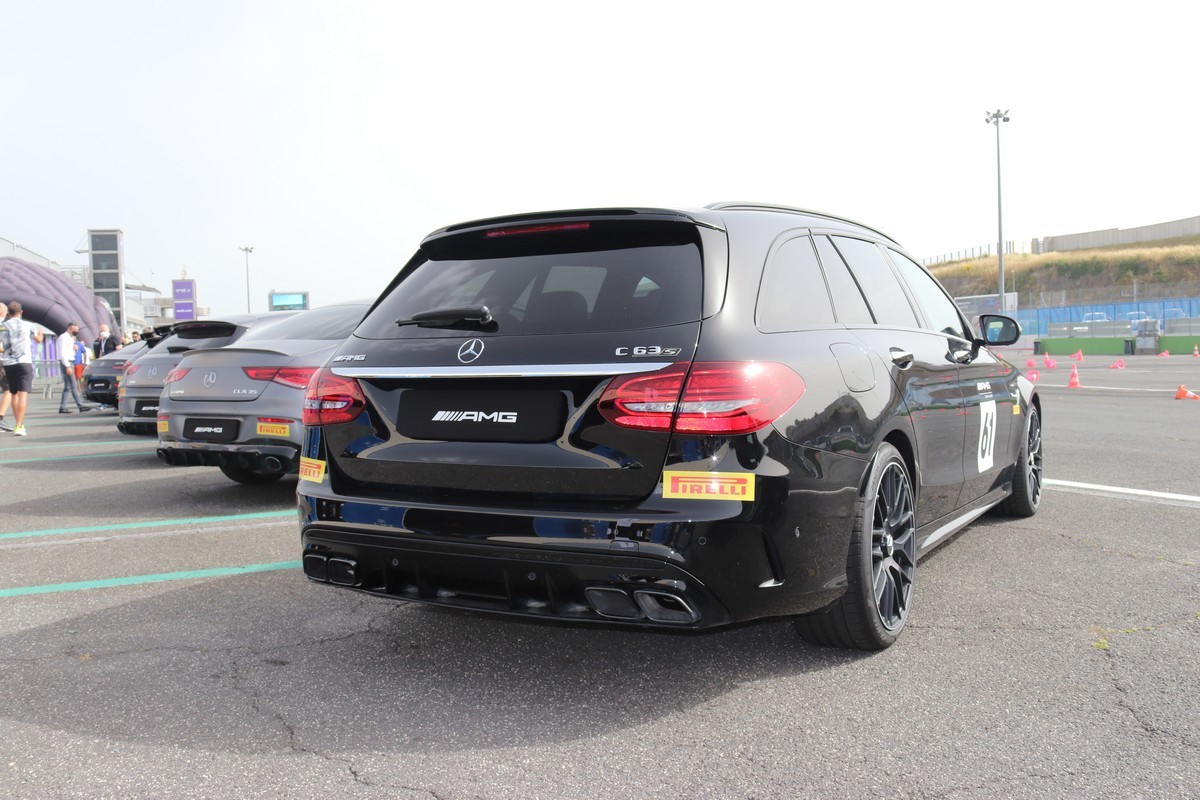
901	358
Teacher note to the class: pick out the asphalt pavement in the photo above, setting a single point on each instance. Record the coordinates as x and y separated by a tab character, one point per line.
158	639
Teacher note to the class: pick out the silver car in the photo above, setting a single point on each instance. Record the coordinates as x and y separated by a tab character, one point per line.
143	380
239	408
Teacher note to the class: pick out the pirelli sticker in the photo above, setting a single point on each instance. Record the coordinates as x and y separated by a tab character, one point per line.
312	469
273	429
694	485
163	424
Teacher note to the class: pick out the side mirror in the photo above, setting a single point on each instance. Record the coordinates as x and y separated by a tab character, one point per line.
997	330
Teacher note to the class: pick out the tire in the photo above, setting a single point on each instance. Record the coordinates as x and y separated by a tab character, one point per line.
249	476
1027	472
880	565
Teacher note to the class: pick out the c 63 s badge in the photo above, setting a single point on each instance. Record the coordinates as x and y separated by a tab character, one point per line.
312	469
692	485
647	351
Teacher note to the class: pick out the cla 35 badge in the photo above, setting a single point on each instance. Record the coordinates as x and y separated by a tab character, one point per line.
678	484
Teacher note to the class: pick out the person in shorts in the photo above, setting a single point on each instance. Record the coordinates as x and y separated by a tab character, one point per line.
4	426
18	364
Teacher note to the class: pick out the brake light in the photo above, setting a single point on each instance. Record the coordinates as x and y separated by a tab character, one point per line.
291	377
710	397
331	399
129	369
176	374
562	226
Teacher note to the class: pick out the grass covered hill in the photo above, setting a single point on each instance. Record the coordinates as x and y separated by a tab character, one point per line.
1158	267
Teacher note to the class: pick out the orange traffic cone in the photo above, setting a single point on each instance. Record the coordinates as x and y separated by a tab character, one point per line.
1164	354
1196	351
1118	364
1078	355
1184	394
1074	382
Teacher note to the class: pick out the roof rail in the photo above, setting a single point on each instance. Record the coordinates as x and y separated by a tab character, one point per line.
750	206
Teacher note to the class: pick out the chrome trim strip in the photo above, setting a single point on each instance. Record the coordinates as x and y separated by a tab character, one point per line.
503	371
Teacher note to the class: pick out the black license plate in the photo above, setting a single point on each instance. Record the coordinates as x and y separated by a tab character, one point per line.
210	430
145	408
485	416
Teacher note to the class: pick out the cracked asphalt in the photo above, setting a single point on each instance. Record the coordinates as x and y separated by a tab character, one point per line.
1051	657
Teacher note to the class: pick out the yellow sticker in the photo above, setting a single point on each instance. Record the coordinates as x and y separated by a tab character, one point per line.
162	425
1016	408
273	429
312	469
690	484
121	392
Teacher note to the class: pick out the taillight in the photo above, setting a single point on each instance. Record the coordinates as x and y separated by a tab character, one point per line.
129	369
331	399
291	377
176	374
709	397
548	228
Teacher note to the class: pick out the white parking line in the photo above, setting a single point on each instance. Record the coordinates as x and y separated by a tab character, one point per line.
1101	489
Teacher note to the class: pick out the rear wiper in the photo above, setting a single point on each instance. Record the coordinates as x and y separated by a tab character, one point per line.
449	317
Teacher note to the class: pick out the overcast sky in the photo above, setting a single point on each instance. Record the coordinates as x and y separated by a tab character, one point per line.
332	136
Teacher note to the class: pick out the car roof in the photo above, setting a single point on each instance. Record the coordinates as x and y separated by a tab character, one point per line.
710	216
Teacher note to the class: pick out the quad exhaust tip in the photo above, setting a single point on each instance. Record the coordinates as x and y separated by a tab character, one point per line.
653	604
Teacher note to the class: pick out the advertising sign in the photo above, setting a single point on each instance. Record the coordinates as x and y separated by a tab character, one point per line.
183	292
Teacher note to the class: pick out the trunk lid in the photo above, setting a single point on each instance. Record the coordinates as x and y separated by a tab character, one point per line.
507	408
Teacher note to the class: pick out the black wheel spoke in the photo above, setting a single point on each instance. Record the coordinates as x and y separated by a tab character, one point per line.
893	546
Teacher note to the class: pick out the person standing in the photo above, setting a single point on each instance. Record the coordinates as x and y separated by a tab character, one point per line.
4	399
82	354
105	343
18	363
66	360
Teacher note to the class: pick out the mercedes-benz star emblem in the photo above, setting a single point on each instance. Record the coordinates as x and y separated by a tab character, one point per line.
470	351
209	379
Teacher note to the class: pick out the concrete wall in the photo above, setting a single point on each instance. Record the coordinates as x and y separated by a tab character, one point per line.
1111	236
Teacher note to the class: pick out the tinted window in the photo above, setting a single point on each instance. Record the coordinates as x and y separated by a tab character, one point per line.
610	278
878	282
793	292
334	323
848	301
939	309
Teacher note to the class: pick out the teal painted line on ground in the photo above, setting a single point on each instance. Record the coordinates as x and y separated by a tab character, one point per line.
155	523
25	447
133	580
73	458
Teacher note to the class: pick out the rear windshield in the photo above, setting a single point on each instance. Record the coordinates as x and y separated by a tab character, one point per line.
612	276
198	337
332	323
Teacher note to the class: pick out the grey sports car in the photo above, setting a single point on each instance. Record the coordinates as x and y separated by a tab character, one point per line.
239	407
143	380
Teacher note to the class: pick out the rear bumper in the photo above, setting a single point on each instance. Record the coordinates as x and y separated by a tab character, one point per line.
282	458
784	554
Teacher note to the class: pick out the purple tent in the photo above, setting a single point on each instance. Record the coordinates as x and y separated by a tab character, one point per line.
50	298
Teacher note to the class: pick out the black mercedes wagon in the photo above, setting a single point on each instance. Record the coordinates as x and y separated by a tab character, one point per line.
664	418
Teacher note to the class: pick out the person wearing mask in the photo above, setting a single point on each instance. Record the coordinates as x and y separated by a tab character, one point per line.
18	364
105	343
66	360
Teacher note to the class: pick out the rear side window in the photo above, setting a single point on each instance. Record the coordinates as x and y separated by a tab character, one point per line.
793	294
607	277
878	282
848	301
939	309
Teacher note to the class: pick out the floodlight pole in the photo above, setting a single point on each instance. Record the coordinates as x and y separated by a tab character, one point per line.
248	251
996	117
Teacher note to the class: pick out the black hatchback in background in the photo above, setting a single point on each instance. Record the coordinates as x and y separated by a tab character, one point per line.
656	417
